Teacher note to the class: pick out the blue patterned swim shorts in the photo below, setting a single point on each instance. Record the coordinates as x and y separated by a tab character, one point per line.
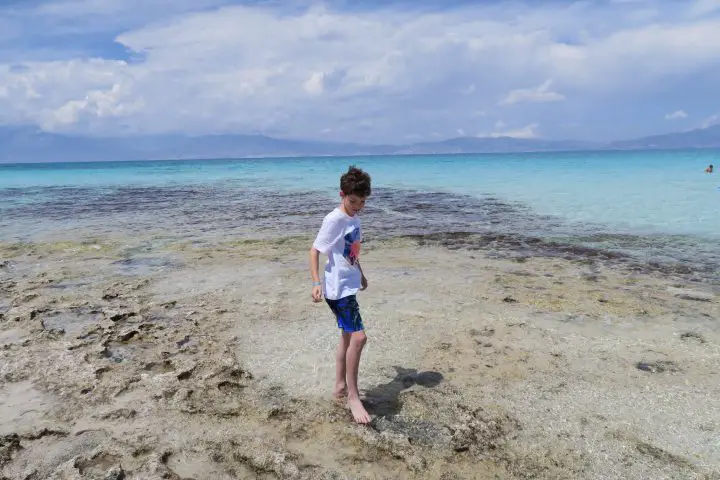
347	312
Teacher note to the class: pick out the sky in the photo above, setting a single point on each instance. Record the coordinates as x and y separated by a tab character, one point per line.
372	71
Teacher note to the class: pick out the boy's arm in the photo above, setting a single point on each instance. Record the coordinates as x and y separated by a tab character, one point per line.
314	265
363	281
317	285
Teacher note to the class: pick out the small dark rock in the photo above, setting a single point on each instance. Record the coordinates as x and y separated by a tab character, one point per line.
50	330
183	341
509	299
695	298
9	444
229	386
659	366
687	336
185	374
125	336
26	298
516	324
45	432
120	413
29	474
19	314
119	316
662	455
115	473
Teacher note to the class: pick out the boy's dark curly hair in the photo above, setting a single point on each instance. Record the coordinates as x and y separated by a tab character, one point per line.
355	182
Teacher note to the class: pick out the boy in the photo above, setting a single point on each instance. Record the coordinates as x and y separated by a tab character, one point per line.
339	238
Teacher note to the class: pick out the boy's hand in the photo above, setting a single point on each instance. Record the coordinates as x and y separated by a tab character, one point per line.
363	283
317	293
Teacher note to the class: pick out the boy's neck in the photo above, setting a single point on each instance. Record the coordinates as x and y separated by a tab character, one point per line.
342	209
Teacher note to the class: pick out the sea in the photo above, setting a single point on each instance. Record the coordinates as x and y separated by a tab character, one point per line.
655	207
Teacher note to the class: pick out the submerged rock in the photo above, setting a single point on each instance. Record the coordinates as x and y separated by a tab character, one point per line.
416	431
658	366
688	336
115	473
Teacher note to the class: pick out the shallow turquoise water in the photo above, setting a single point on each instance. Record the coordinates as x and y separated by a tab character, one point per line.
627	192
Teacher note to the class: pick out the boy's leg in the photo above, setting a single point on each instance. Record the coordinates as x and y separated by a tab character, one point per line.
340	390
352	341
354	350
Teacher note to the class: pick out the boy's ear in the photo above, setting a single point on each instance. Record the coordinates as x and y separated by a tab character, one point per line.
342	194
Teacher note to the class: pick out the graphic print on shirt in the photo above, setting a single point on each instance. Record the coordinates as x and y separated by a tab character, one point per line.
352	246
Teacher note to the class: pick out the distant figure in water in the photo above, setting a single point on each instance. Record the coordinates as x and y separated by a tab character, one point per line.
709	169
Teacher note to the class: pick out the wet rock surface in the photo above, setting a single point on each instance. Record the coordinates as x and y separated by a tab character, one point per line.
218	367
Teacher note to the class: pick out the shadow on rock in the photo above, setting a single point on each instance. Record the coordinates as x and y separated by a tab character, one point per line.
383	400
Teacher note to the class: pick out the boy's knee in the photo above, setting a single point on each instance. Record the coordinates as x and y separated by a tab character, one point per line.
358	338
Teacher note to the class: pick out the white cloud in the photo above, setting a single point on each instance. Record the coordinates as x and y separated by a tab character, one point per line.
369	74
96	104
676	115
84	16
315	84
320	82
526	132
645	54
541	93
710	121
704	7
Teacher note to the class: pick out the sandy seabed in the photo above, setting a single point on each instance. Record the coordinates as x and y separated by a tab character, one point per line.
184	361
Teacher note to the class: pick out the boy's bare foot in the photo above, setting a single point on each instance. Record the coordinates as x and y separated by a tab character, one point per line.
340	391
358	410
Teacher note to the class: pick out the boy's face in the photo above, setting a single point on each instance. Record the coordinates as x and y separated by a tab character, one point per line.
352	203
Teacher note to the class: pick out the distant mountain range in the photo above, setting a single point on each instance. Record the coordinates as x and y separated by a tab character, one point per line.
700	138
28	144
